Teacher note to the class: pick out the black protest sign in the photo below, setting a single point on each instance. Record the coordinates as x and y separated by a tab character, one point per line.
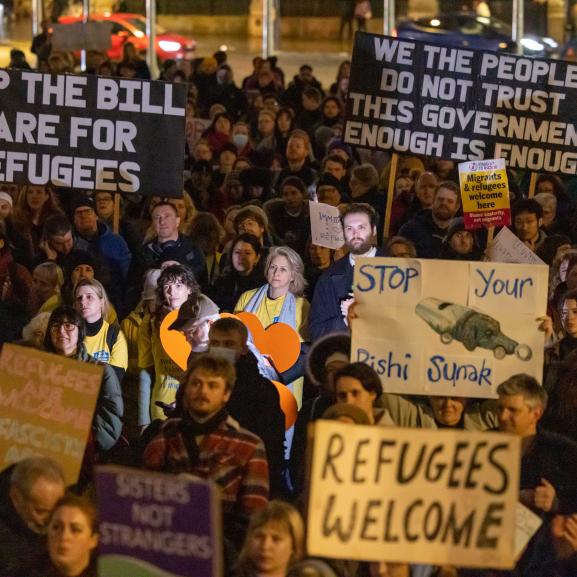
411	97
92	133
415	496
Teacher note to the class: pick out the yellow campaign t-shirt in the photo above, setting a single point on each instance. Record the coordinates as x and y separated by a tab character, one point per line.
167	373
97	347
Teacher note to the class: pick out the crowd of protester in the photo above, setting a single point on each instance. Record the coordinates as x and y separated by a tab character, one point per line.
80	281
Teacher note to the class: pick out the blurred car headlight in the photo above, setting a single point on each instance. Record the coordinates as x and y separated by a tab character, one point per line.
139	34
532	45
550	42
169	45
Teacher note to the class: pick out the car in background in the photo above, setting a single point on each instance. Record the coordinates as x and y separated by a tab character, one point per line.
132	28
469	30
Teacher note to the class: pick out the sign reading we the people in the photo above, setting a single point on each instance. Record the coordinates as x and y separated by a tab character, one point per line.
461	104
157	525
409	495
46	407
485	193
91	132
457	328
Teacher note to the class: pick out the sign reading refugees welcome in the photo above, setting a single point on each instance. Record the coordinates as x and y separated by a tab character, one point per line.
46	406
450	328
461	104
157	525
415	496
93	133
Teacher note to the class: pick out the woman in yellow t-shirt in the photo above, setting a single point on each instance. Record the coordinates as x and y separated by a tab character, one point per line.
281	300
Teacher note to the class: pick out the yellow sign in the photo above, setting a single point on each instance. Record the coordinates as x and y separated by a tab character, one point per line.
413	496
46	407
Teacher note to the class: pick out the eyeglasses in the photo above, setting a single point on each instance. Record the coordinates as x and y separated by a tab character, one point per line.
68	327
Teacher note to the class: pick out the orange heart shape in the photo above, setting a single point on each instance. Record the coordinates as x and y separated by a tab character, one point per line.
174	342
288	404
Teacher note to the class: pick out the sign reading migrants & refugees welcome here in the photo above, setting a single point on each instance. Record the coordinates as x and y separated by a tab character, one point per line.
46	407
450	328
93	133
157	525
461	104
406	495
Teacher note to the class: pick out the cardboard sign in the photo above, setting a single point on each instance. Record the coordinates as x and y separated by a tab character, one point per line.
414	496
93	133
427	335
507	247
82	36
157	525
528	523
326	228
46	407
461	104
485	193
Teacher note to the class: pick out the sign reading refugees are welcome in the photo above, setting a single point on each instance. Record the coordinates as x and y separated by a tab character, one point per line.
157	525
462	104
451	328
436	497
91	132
46	406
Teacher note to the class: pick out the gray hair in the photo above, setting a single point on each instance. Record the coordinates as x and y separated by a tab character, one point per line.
28	471
526	386
298	284
546	200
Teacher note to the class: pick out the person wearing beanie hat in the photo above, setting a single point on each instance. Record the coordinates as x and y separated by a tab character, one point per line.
6	204
289	217
364	187
460	243
329	190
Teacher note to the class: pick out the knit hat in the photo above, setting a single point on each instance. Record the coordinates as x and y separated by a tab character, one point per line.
76	258
194	311
7	197
366	174
267	112
339	144
251	211
80	200
357	415
327	179
456	225
295	182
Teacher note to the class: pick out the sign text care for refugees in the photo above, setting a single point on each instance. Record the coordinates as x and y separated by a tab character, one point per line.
92	133
461	104
438	497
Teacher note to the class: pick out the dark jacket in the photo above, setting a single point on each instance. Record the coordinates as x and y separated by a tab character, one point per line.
228	288
255	404
425	234
334	286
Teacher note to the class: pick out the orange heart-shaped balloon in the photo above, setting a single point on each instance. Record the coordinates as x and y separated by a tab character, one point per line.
288	404
174	342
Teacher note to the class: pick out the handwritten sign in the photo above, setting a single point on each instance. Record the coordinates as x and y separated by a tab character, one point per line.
506	247
418	98
436	497
427	336
157	525
46	407
326	228
485	193
93	133
528	523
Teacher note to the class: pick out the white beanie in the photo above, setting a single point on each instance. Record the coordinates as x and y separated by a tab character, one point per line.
7	197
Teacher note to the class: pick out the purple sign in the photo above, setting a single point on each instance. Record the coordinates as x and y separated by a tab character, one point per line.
153	524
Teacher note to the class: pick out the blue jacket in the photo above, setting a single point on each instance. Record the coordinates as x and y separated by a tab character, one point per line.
113	249
334	286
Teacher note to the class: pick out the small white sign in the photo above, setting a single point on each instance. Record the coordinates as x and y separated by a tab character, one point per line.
326	228
506	247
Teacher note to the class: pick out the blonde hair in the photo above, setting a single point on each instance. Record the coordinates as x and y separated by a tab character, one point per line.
278	513
298	283
55	272
100	291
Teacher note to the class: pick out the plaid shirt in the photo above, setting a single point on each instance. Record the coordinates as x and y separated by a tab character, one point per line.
231	456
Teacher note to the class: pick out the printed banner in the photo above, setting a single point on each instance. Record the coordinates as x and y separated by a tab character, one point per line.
485	193
427	335
413	496
91	132
157	525
461	104
507	247
46	406
326	228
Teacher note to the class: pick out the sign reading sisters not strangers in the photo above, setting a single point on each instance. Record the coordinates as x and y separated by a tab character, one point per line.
411	97
92	133
415	496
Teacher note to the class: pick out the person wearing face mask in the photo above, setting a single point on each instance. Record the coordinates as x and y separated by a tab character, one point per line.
254	401
241	138
29	491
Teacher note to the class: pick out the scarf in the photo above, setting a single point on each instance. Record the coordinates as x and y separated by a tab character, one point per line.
190	428
288	313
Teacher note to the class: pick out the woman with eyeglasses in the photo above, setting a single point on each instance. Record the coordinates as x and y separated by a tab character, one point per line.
64	337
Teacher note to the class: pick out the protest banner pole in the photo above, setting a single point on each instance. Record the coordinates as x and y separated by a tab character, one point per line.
390	195
85	18
490	236
388	17
518	24
37	16
151	58
532	184
116	215
266	28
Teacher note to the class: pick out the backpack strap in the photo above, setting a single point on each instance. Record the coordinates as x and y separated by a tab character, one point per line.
112	336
